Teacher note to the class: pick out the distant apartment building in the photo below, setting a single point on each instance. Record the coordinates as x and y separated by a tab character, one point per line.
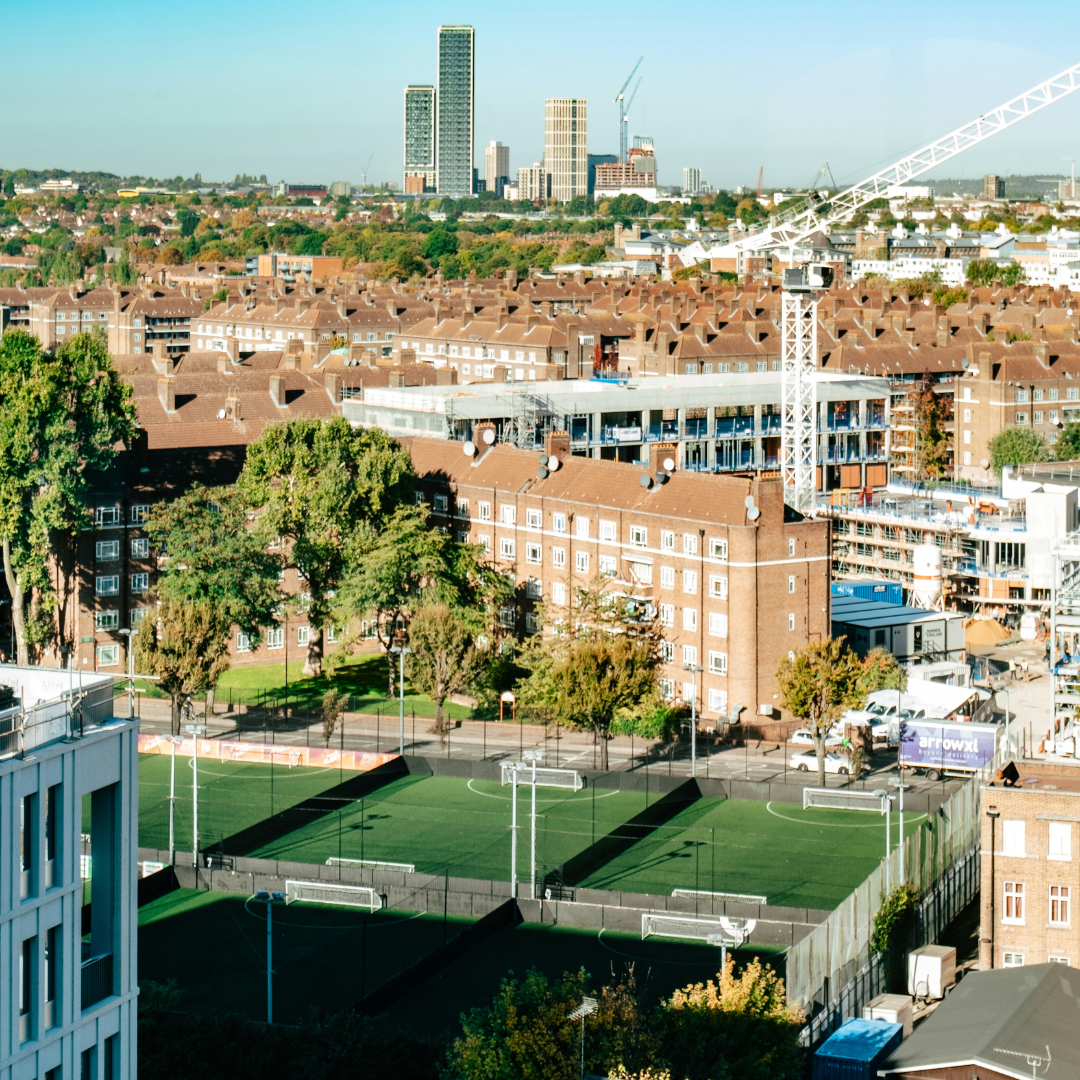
496	168
733	591
594	160
69	789
635	176
297	191
565	154
455	110
691	180
534	182
299	267
993	186
419	155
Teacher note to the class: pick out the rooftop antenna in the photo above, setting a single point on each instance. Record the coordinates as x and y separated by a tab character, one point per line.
1036	1061
619	97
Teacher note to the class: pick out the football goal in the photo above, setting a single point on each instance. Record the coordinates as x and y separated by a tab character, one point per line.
373	864
728	897
834	799
325	892
545	776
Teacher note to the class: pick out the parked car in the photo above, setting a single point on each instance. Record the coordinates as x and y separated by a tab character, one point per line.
804	737
834	763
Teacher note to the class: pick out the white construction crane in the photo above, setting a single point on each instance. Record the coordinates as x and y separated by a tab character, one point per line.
802	282
619	97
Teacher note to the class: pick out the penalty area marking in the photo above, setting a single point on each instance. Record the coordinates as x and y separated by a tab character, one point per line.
506	798
840	824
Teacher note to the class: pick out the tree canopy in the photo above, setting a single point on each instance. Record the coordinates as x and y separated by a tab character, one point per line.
1018	446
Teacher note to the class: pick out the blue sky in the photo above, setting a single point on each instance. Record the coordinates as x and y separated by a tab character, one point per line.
308	92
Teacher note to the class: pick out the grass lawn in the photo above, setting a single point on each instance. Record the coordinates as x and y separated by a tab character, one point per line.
214	946
799	858
363	677
442	823
660	967
232	796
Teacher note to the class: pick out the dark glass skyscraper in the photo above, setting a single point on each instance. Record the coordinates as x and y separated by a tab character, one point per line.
455	99
420	138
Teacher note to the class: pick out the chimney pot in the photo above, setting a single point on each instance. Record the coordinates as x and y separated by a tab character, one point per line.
166	390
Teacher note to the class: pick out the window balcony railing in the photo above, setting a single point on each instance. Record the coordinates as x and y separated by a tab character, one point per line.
97	979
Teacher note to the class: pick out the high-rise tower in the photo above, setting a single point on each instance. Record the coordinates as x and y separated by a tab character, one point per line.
565	155
456	111
496	167
419	159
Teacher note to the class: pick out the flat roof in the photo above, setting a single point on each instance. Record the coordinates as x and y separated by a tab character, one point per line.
855	611
571	396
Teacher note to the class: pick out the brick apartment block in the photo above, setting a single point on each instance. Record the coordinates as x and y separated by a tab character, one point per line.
1030	884
735	593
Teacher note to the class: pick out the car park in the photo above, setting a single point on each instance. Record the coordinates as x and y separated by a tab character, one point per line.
808	762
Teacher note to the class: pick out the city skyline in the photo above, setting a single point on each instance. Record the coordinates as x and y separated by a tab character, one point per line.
885	96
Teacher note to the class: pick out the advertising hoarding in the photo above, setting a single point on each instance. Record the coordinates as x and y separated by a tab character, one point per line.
943	744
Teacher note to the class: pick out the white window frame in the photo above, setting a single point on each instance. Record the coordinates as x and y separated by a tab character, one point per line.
689	655
140	547
106	517
667	652
581	562
558	593
689	618
533	519
275	637
689	582
689	544
1013	897
667	688
507	514
1013	837
1060	901
109	619
717	663
581	527
107	550
667	540
1012	959
140	583
791	583
718	586
558	558
107	585
507	547
718	549
1059	841
608	565
243	642
718	701
558	523
791	621
139	513
108	656
534	588
484	511
638	536
718	624
607	531
667	577
442	502
303	636
534	554
667	614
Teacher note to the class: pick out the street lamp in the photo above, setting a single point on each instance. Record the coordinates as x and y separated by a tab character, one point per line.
534	756
899	784
131	671
172	740
693	669
587	1007
882	794
401	649
993	813
195	730
269	898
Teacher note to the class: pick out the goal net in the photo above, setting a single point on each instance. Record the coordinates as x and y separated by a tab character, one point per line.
323	892
679	926
545	776
373	864
833	799
731	898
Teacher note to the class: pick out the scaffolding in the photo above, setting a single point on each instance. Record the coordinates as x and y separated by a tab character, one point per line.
529	418
1064	650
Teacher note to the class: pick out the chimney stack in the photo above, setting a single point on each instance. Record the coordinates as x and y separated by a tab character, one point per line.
166	392
277	390
557	443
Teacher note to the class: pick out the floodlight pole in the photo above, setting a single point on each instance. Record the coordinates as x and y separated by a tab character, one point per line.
693	669
513	835
269	898
901	785
401	649
532	858
195	730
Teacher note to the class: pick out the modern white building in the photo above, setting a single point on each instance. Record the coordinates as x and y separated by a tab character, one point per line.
691	180
566	157
496	167
67	999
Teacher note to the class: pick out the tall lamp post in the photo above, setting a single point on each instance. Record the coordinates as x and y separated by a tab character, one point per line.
993	813
195	730
131	670
402	650
172	740
269	898
886	798
693	669
899	784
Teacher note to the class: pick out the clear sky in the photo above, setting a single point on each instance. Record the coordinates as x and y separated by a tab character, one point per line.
304	91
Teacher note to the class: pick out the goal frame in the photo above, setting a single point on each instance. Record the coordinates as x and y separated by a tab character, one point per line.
837	799
365	895
700	929
546	776
730	898
373	864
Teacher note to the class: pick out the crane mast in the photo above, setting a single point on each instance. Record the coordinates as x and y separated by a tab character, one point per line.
799	365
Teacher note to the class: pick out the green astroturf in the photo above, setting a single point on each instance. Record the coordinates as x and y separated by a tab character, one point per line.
443	824
800	858
324	957
232	796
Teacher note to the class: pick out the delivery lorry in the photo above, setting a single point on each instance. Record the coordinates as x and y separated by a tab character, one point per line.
938	748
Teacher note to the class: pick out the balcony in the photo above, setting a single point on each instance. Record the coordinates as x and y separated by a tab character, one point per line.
727	426
97	979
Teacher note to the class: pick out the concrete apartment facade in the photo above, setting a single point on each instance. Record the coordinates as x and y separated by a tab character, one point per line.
496	167
566	157
69	1004
419	149
734	593
456	111
1030	868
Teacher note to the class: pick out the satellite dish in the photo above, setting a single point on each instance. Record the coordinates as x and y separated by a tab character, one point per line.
669	464
646	480
553	462
661	476
469	448
221	414
542	473
985	463
964	363
753	513
543	459
748	502
489	436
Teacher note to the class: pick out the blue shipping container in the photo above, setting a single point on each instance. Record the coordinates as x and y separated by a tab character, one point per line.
856	1049
885	592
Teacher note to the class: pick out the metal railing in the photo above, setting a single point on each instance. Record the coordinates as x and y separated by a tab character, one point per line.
97	979
24	729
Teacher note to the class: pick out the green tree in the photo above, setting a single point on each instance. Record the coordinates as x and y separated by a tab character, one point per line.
1067	447
325	489
817	686
216	575
932	411
437	243
982	271
443	659
1018	446
123	273
738	1027
598	665
878	670
62	416
527	1034
333	710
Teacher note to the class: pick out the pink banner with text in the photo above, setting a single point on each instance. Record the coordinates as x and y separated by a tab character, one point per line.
265	753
